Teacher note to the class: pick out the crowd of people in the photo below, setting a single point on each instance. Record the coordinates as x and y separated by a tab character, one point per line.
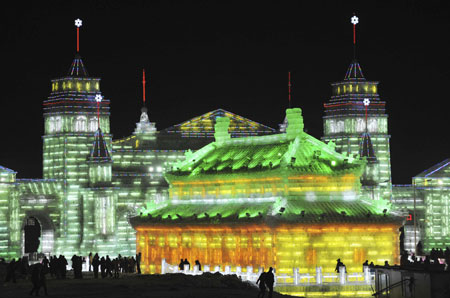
57	268
114	267
437	259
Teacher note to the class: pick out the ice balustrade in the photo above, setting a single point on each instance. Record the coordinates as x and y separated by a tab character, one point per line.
343	278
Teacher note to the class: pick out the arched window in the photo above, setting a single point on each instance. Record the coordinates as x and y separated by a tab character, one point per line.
372	124
360	125
331	126
93	124
58	124
80	123
51	124
340	126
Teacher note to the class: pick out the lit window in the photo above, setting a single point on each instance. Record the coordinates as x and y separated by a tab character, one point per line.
360	125
340	126
58	123
93	124
80	123
372	125
51	124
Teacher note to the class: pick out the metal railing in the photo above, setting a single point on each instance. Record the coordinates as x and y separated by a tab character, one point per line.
343	278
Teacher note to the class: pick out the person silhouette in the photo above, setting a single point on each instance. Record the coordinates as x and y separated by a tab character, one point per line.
186	262
138	262
103	267
95	264
197	262
339	264
269	280
365	264
108	266
261	282
181	264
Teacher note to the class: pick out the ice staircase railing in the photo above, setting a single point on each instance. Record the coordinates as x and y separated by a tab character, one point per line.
357	278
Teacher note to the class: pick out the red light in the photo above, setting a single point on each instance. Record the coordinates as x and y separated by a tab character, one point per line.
409	217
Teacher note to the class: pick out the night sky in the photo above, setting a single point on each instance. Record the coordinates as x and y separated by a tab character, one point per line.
204	55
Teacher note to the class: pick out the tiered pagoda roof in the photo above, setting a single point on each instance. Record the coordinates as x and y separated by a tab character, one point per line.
293	154
203	126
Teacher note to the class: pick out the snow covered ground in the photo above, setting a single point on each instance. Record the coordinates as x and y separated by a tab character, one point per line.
135	286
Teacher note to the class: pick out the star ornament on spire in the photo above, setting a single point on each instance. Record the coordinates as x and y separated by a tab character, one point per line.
98	98
78	23
354	20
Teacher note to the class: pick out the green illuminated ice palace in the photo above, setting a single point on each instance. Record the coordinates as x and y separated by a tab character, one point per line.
93	185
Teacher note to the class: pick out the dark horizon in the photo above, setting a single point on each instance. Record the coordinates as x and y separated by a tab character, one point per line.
200	56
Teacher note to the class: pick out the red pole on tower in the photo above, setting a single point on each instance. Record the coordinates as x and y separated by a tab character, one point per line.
354	33
143	85
366	103
354	20
98	99
78	24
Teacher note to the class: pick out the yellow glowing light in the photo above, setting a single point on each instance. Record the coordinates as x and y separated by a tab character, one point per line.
283	247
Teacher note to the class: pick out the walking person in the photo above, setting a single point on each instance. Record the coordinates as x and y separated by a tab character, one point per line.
261	282
338	265
269	280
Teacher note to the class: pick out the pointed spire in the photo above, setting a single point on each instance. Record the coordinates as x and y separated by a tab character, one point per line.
77	69
99	151
366	148
354	72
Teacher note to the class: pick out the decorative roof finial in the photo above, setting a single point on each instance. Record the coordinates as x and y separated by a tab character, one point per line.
354	20
78	24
